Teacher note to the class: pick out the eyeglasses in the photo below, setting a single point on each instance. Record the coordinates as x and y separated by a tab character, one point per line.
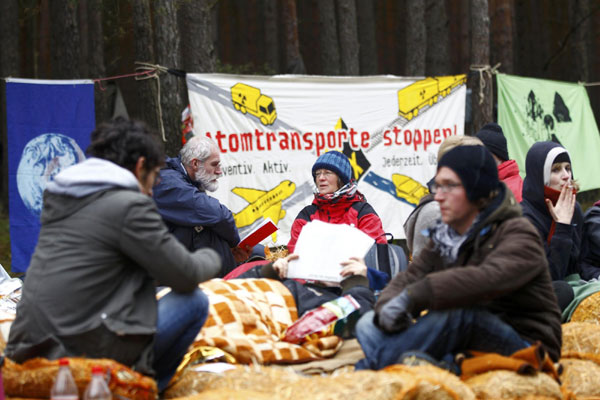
325	173
443	188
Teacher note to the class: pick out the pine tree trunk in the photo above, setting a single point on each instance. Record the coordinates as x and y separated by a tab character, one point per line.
330	50
480	56
502	15
294	64
365	9
97	66
271	35
43	63
172	88
146	107
580	23
64	41
84	49
197	48
437	58
9	66
416	38
348	36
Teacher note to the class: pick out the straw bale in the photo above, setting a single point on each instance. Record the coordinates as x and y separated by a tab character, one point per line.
503	384
19	398
253	377
275	253
447	381
34	378
588	310
358	385
581	338
581	377
428	383
229	394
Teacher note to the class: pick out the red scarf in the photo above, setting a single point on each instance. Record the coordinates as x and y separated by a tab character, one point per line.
552	195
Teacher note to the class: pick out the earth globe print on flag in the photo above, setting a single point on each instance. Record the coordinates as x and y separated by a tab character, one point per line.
43	157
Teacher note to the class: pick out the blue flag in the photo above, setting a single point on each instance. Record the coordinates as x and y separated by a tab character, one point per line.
49	125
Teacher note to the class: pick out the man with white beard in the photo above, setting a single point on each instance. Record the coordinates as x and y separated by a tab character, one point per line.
195	218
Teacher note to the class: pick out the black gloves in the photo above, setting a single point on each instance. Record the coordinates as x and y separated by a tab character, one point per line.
395	316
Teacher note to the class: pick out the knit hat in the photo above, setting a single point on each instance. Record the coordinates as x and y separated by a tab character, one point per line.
476	169
493	138
336	162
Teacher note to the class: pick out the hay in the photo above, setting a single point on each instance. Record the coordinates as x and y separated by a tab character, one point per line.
438	377
34	378
228	394
253	377
502	384
428	383
588	310
581	377
275	253
357	385
581	340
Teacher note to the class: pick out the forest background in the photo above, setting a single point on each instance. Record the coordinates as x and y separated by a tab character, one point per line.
92	39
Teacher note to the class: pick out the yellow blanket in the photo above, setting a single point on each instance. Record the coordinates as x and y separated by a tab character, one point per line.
248	317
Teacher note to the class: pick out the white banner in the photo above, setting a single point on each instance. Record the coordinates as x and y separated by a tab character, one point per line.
272	129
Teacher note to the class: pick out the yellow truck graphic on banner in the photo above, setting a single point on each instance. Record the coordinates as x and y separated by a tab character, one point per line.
426	92
249	99
409	189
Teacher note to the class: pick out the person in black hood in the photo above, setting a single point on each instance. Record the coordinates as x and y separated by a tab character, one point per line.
550	204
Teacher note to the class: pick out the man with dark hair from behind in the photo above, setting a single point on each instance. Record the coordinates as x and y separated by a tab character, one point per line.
90	286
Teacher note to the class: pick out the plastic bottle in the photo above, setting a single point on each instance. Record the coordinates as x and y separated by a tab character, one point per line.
97	389
64	387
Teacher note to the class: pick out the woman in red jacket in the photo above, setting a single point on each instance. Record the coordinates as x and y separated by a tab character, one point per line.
337	200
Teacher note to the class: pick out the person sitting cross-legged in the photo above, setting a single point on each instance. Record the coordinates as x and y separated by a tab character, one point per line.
483	277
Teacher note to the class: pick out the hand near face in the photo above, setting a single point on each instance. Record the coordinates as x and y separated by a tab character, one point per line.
353	266
564	209
281	265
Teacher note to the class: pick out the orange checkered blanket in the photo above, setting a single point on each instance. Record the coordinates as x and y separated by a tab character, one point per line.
248	318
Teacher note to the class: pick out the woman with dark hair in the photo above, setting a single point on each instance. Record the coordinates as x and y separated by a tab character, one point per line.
549	203
90	286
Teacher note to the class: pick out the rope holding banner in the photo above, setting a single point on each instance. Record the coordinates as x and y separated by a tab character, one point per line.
489	71
588	83
152	71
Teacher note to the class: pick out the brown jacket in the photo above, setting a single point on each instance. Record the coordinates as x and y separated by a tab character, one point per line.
501	266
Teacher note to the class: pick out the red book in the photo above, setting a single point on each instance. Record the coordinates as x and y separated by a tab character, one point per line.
259	233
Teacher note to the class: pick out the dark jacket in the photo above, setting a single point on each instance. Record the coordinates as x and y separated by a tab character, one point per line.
309	295
90	286
590	245
352	211
195	218
422	217
500	267
563	249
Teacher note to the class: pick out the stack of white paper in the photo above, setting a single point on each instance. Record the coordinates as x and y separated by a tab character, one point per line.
322	247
